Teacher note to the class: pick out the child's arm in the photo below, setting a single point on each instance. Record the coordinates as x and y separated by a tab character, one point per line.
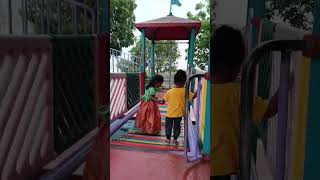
207	76
273	104
195	95
156	100
272	108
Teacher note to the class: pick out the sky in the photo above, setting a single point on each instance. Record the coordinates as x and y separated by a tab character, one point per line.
153	9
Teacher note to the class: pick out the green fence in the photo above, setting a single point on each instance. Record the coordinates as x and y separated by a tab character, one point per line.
73	74
133	90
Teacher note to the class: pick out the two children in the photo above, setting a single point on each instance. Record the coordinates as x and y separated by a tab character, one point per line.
148	118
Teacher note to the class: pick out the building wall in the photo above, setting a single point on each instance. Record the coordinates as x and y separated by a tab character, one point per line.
232	12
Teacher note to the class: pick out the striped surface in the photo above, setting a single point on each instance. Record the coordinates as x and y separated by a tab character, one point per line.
125	136
26	124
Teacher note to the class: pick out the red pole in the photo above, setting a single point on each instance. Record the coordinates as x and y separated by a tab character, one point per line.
97	163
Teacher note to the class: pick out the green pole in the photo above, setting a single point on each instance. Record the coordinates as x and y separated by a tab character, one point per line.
258	7
190	55
312	147
190	51
143	63
152	59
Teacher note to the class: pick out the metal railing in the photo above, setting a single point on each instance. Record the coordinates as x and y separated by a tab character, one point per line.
46	9
124	62
285	47
191	134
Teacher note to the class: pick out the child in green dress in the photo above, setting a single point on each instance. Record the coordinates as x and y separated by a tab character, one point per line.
148	119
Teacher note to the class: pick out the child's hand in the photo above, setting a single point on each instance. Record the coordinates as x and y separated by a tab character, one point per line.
207	76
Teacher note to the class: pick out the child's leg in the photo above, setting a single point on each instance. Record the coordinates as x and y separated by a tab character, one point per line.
169	123
177	127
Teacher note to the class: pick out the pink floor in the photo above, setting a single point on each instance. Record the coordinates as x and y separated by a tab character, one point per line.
136	165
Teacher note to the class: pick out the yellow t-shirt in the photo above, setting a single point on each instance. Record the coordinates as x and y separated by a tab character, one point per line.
176	102
225	126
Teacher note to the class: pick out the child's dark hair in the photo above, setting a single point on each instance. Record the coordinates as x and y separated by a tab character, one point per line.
180	78
155	79
228	49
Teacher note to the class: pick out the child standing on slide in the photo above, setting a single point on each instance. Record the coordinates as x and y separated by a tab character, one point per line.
175	98
148	119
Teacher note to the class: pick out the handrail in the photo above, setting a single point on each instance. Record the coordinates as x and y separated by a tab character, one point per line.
118	124
45	15
131	62
85	7
188	124
285	46
70	164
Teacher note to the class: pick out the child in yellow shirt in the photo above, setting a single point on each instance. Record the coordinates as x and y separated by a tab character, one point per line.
176	106
227	57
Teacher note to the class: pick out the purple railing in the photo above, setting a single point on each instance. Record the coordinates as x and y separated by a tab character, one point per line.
191	133
284	46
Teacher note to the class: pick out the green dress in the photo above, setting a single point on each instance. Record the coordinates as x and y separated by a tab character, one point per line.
148	118
149	93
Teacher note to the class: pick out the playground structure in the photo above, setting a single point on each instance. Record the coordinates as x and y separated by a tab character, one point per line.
125	100
286	146
51	86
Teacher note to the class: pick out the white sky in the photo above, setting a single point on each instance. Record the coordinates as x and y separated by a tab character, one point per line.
153	9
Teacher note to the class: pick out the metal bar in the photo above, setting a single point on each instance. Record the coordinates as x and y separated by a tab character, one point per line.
42	17
191	49
247	95
186	115
59	16
70	165
198	107
90	10
74	19
142	64
24	31
114	127
48	16
26	18
85	15
171	42
282	116
152	59
10	15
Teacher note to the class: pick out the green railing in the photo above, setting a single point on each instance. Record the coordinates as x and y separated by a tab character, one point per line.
73	74
133	94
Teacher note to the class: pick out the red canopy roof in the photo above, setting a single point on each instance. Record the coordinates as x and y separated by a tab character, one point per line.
169	28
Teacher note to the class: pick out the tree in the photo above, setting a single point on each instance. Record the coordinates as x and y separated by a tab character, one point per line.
122	21
50	13
166	53
298	13
201	52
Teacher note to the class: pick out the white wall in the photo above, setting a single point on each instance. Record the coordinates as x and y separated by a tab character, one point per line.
231	12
